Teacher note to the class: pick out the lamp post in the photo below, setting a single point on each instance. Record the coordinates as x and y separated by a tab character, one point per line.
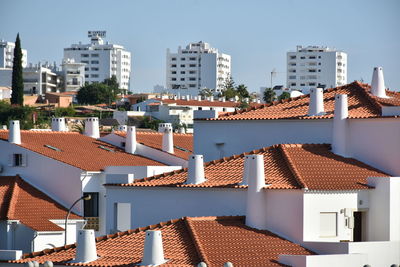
88	197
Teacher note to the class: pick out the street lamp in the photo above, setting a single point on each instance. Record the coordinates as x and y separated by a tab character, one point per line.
87	197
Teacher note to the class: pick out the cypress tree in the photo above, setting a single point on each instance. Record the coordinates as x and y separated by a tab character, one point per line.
17	86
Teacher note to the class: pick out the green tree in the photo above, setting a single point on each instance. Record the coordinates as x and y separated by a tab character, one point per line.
15	112
97	93
284	95
269	95
242	92
64	112
229	83
229	93
17	85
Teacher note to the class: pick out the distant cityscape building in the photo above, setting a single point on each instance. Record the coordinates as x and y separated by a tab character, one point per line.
7	55
102	59
40	79
73	74
316	66
196	67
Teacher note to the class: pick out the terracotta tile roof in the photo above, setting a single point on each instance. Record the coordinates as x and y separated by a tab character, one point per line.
186	242
309	166
183	143
361	105
78	150
21	201
202	103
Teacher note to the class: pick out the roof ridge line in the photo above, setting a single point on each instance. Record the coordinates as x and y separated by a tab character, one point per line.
371	99
13	197
291	166
194	236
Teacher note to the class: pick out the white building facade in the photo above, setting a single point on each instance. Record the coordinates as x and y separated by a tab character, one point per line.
316	66
73	74
39	79
102	59
196	67
7	55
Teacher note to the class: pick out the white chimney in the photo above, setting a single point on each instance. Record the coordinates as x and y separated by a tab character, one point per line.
122	128
223	99
196	170
58	125
340	126
211	98
86	247
92	127
246	171
256	204
153	254
130	140
187	97
14	134
167	138
4	127
195	98
316	106
378	83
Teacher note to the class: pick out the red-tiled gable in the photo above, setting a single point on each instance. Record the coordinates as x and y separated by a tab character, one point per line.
21	201
183	143
78	150
186	241
313	167
203	103
361	105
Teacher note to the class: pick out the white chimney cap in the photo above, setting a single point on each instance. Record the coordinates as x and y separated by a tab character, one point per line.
195	173
86	246
378	83
153	254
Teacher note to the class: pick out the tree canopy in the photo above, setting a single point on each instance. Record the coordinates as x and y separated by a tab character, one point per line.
284	95
17	84
99	93
269	95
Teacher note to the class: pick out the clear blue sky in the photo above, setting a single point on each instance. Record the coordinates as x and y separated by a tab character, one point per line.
256	33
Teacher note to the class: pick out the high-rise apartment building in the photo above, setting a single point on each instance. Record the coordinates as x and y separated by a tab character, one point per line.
316	66
196	67
7	55
102	59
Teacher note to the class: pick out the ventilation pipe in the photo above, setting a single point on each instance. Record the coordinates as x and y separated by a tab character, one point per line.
167	138
14	134
122	128
92	127
316	106
58	125
86	246
196	170
378	83
130	140
153	254
255	206
340	126
246	170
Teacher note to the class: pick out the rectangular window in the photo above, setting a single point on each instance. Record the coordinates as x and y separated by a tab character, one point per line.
292	57
84	55
192	79
192	58
192	85
122	216
173	72
328	224
94	69
183	59
182	72
182	66
91	206
17	160
293	84
192	65
94	62
173	59
95	55
192	72
292	77
85	61
173	66
182	79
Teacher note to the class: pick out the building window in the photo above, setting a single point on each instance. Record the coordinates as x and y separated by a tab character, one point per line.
85	61
192	79
173	79
192	72
293	84
86	75
173	66
94	62
95	55
183	65
192	85
17	160
302	57
192	58
173	72
94	69
311	84
84	55
94	76
183	59
86	68
182	79
91	207
192	65
292	57
328	224
292	77
312	57
302	84
182	72
173	59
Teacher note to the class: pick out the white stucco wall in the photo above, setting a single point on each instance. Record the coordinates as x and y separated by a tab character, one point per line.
317	202
243	136
377	143
154	205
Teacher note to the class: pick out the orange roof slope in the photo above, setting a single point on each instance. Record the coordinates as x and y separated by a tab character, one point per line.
362	104
183	143
313	167
186	242
78	150
205	103
21	201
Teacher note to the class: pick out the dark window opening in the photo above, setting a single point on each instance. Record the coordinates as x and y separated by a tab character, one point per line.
91	207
